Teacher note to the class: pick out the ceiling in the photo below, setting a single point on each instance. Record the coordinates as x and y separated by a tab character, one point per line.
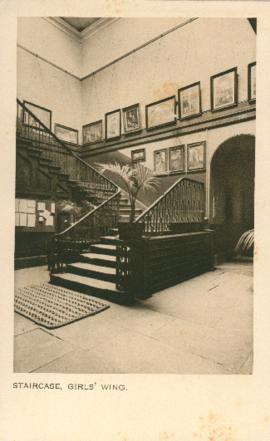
80	23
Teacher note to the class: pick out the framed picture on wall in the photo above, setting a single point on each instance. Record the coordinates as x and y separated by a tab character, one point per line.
131	118
177	158
196	156
92	132
43	114
66	134
189	99
252	81
160	161
224	89
113	124
161	113
138	155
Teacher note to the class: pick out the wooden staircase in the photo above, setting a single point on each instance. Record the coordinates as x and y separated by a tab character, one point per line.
95	271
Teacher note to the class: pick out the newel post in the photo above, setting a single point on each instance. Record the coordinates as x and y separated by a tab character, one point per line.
131	268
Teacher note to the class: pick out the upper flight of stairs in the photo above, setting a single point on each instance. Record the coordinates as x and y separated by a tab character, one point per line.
95	272
31	159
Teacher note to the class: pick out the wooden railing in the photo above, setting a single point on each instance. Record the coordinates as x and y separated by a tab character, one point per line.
66	246
30	127
183	202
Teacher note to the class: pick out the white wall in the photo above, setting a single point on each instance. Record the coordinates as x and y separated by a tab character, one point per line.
192	53
44	38
121	36
42	84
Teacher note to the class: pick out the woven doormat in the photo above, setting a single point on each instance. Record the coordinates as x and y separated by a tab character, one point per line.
53	306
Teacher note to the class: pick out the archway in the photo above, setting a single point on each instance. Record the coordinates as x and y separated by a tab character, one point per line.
232	191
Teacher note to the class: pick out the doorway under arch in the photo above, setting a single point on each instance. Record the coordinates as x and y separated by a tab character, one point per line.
232	191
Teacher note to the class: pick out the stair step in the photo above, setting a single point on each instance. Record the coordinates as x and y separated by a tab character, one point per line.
127	210
99	259
114	240
91	286
96	271
104	249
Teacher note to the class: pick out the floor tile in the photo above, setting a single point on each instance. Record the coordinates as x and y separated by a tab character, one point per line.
36	348
222	346
22	324
80	362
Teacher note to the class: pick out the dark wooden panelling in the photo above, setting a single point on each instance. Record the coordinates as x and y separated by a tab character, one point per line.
160	262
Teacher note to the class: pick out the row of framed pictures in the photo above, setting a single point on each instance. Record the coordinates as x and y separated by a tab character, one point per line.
177	159
224	94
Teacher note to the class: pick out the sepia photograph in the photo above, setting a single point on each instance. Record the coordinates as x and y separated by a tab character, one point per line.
131	118
189	101
161	113
92	132
122	267
177	158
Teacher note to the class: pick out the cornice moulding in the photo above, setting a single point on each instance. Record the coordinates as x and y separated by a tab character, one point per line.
63	26
102	23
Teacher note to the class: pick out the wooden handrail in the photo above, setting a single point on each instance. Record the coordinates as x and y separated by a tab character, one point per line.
64	145
179	204
90	213
163	196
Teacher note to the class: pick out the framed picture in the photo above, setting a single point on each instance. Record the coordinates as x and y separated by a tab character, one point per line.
113	124
138	155
43	114
131	118
224	89
252	81
92	132
160	161
161	113
66	134
196	156
189	99
177	158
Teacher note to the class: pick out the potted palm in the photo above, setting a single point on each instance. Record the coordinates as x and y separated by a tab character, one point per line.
132	179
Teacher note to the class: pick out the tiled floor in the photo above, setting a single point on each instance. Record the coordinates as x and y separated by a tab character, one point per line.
201	326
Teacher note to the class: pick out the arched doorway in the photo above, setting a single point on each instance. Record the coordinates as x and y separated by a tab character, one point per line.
232	191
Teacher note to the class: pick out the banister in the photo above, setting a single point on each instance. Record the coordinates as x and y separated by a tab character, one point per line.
164	195
90	213
182	203
64	145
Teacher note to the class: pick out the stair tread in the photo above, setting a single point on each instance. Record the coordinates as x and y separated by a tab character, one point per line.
93	267
105	246
88	281
100	256
109	237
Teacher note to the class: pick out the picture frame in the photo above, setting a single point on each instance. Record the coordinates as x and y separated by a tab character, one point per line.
196	156
131	118
92	132
161	161
177	159
189	101
224	89
66	134
113	124
252	82
161	113
42	113
138	156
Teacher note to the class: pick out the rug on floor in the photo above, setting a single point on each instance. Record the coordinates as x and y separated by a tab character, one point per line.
53	306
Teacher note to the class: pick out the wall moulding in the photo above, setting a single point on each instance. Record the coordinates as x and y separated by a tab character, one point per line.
207	121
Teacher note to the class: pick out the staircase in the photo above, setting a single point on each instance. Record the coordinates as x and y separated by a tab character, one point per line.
95	271
88	255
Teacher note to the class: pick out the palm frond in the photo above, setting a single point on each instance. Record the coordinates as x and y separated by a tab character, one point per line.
124	172
245	244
